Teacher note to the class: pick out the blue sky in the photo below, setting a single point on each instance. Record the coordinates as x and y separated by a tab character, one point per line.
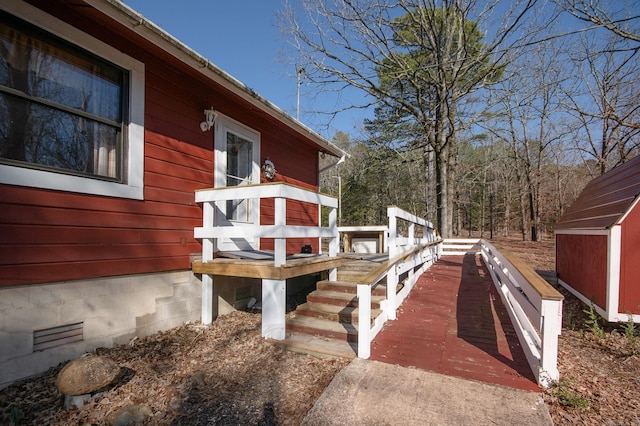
242	38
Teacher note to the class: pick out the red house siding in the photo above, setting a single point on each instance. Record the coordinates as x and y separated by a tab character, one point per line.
48	236
630	264
578	253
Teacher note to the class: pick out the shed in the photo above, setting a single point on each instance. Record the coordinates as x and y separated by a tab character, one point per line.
598	244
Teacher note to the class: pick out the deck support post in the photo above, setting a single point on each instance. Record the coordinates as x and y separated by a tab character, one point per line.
208	219
207	299
274	299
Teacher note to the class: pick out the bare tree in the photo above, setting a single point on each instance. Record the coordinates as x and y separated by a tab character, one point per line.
420	58
614	16
526	120
603	99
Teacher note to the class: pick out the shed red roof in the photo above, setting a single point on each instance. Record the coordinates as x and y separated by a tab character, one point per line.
605	200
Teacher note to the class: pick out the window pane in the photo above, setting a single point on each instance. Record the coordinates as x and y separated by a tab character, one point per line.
53	138
60	107
239	167
47	68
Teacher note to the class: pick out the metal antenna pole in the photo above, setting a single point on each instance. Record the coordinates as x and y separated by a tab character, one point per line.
300	72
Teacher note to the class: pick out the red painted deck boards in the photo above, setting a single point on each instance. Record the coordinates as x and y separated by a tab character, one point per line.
454	323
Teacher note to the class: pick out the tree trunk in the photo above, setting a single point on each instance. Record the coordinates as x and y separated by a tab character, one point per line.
442	191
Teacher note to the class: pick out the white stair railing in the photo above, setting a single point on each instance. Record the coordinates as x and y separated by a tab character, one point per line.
409	257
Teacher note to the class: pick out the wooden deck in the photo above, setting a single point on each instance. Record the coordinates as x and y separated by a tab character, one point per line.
259	264
454	323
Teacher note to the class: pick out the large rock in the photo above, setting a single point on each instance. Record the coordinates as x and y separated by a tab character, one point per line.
86	375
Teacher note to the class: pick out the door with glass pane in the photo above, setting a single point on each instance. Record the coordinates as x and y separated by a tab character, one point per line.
236	164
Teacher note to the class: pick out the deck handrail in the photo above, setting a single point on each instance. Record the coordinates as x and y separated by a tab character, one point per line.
535	309
280	230
408	256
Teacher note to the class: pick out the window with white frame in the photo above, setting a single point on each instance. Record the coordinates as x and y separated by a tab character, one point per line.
71	117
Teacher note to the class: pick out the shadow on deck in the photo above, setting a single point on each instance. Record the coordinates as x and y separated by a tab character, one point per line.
454	323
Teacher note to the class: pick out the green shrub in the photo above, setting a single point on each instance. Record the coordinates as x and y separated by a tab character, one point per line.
567	396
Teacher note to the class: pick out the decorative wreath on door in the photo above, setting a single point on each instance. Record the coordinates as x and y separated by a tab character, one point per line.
269	169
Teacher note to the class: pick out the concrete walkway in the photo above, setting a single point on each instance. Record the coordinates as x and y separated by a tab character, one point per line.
376	393
451	358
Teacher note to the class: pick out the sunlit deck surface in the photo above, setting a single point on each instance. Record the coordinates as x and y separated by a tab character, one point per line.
454	323
259	264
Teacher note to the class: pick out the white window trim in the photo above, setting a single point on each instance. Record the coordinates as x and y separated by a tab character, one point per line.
134	158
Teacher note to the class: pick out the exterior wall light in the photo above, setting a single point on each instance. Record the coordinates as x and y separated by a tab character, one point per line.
210	119
269	170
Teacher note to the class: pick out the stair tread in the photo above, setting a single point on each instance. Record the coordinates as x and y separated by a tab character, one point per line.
348	287
323	324
317	346
338	282
357	266
343	296
334	309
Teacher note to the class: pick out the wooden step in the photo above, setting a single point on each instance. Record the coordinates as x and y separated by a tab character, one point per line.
333	312
341	299
317	346
351	276
358	265
324	328
348	287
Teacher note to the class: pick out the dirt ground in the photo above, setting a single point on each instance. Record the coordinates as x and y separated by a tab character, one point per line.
226	374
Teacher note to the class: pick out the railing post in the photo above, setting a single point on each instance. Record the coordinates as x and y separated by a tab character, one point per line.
364	321
551	328
393	231
280	219
334	241
320	227
392	285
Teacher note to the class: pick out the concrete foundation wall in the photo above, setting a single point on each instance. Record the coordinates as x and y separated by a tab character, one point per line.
112	311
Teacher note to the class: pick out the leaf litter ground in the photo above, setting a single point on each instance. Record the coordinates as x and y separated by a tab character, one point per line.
226	374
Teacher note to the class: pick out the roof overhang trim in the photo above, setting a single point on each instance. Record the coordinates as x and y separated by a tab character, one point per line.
626	213
126	16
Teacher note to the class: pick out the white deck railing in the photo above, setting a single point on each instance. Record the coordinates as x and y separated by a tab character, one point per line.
409	256
280	230
535	309
273	290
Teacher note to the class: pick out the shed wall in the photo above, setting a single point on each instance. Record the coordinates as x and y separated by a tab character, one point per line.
630	264
581	262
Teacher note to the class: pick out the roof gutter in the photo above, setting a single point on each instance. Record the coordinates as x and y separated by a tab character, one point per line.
125	15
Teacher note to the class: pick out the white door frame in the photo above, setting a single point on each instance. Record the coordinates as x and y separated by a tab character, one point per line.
223	126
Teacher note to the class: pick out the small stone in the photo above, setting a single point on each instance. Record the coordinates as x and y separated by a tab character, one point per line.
86	375
129	415
77	401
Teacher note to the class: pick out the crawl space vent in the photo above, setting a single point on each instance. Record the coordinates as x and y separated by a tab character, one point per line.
57	336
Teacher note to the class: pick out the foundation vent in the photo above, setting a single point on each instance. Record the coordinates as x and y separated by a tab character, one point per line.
57	336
